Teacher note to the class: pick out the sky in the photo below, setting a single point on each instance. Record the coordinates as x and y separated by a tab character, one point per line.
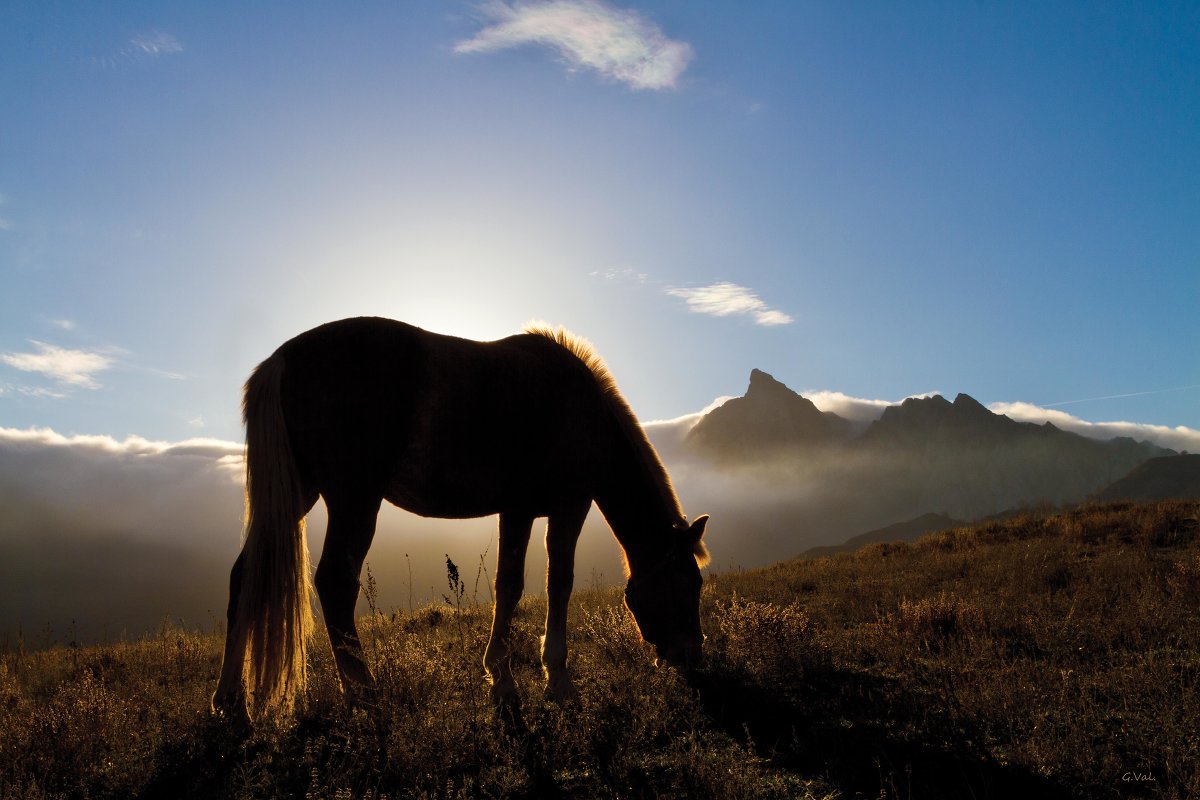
867	201
875	199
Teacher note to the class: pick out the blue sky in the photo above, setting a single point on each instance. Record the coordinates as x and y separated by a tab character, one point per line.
875	199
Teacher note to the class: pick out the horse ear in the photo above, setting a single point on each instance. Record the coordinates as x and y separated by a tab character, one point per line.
696	531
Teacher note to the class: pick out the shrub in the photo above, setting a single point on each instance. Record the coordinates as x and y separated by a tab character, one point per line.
937	620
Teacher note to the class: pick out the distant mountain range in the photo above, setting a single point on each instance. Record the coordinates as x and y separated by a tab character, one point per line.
830	479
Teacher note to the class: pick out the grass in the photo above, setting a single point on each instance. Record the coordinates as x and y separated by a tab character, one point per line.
1048	656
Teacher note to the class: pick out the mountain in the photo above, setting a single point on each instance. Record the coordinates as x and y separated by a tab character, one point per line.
935	420
769	417
900	532
806	477
1163	478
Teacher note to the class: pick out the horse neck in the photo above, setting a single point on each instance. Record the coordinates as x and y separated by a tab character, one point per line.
635	494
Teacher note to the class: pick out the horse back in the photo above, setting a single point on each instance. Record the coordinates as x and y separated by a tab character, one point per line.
439	425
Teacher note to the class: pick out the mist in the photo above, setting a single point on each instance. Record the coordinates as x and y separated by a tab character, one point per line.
102	538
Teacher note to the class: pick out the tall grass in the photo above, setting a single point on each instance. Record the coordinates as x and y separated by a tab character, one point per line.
1047	656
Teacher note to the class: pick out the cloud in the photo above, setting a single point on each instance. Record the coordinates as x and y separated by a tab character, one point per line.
156	44
71	367
109	535
114	533
1177	438
41	392
617	43
859	410
621	275
65	324
725	299
142	46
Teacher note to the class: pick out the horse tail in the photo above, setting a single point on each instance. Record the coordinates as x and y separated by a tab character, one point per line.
274	614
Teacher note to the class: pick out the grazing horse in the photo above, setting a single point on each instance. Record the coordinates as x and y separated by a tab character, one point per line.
365	410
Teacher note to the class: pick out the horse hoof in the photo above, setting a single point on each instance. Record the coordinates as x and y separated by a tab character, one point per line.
504	694
562	690
232	711
365	700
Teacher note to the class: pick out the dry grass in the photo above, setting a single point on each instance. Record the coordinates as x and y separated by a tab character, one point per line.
1048	656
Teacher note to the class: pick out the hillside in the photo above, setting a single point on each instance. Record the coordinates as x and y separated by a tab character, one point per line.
900	532
1034	657
1163	478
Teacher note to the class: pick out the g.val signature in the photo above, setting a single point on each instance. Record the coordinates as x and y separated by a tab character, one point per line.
1138	777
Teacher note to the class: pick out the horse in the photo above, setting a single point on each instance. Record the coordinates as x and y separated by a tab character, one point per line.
368	409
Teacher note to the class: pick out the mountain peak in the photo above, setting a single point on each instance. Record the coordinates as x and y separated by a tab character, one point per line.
768	418
765	383
927	401
966	403
935	417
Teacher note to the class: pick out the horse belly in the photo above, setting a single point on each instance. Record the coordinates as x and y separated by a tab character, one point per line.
488	483
441	499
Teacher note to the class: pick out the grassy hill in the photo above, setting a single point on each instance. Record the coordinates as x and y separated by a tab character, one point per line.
1165	477
900	532
1035	657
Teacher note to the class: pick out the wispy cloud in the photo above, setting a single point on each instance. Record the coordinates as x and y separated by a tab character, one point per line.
76	368
621	275
1121	396
41	392
142	46
156	44
726	299
617	43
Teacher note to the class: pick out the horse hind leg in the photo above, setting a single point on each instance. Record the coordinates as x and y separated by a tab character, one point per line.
347	539
230	700
562	534
230	697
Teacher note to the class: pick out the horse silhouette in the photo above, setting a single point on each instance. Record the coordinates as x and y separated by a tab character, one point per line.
368	409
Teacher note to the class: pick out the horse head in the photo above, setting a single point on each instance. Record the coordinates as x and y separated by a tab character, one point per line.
665	598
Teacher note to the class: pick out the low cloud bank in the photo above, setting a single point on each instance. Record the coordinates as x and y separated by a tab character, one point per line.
101	536
1177	438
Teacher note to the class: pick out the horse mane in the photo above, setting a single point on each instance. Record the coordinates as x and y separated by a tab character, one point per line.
583	350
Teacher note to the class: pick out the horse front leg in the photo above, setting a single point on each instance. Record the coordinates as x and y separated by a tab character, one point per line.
562	534
347	539
510	582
